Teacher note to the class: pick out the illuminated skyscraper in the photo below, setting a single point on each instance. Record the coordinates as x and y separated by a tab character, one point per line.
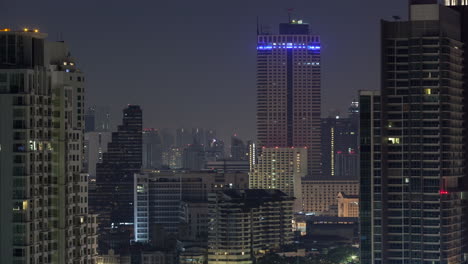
288	91
43	188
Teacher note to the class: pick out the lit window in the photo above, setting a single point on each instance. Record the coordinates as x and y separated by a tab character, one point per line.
427	91
394	140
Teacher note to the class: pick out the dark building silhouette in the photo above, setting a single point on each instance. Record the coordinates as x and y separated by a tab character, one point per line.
152	149
90	118
239	150
412	142
194	157
339	142
113	200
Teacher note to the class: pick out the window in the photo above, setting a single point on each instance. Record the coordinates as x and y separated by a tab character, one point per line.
393	140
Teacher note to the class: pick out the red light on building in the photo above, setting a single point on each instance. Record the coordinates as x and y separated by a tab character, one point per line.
442	192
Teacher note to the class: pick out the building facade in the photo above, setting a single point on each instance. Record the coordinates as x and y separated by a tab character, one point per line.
152	149
282	169
44	199
412	153
113	196
348	205
167	202
319	195
288	91
248	223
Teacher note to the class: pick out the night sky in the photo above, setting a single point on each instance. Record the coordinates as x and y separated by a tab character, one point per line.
192	63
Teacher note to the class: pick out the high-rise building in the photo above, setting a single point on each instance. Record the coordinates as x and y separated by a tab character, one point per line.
43	188
245	224
339	141
166	200
412	145
282	169
152	149
113	199
288	91
239	151
90	118
193	157
95	145
183	138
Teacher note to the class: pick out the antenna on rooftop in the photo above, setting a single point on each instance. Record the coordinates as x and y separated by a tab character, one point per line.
290	11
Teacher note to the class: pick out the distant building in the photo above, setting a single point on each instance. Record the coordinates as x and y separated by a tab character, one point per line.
228	165
94	149
319	195
194	157
289	91
113	197
247	224
168	201
239	151
173	158
158	257
89	119
152	149
214	150
340	146
348	205
282	169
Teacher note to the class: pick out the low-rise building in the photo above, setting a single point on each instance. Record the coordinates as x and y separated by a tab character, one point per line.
246	224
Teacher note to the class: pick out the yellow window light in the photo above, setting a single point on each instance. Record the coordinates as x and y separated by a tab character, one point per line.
25	29
427	91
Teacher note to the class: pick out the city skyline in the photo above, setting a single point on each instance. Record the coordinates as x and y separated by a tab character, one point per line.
147	75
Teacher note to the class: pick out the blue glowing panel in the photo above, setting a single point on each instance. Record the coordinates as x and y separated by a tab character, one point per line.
269	46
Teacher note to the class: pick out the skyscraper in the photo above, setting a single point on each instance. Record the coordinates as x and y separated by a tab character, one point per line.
152	149
114	176
288	91
339	145
412	153
43	190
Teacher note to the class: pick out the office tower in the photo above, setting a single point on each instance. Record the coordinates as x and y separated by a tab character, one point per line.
90	118
102	118
193	157
319	194
347	164
43	190
183	138
288	91
172	158
248	223
166	199
340	145
95	144
282	169
152	149
214	150
348	205
239	151
412	153
198	136
210	135
114	176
